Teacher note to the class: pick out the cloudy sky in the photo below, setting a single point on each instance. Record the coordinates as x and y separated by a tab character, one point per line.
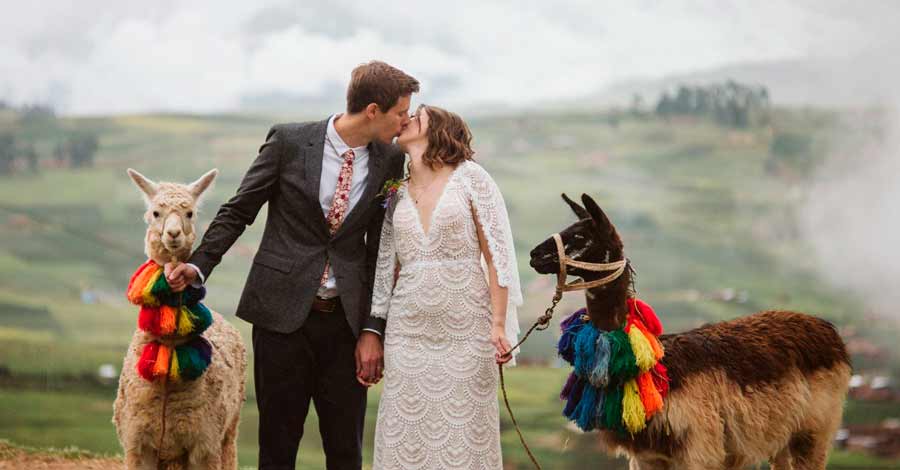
119	56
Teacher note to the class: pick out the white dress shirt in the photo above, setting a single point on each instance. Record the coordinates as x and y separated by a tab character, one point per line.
331	169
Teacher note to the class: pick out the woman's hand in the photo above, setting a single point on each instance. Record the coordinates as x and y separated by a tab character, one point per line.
498	339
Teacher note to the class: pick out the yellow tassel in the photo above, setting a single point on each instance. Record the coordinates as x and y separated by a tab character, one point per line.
643	352
173	370
185	325
632	408
149	299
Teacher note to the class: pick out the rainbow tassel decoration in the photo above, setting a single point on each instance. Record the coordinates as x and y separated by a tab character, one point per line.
618	382
643	353
187	361
633	414
585	350
647	315
650	396
171	315
600	373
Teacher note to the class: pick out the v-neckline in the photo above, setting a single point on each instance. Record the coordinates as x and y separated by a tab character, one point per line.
437	204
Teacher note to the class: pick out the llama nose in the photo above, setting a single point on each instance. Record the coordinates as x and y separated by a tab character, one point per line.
174	233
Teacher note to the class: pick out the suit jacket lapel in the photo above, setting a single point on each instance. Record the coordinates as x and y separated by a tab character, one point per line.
314	151
376	171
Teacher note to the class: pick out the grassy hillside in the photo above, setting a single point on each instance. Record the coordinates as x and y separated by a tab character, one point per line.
700	215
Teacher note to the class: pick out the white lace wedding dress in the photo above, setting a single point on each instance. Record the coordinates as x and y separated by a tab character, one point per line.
439	406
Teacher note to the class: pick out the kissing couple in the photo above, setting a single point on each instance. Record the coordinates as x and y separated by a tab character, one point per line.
373	268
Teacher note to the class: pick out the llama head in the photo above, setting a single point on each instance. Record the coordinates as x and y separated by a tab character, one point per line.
171	211
592	239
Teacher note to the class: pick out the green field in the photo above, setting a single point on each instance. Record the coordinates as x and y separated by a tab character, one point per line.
698	211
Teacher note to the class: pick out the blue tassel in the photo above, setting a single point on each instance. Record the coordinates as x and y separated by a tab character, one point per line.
573	400
598	413
566	345
565	324
587	409
567	388
599	375
585	350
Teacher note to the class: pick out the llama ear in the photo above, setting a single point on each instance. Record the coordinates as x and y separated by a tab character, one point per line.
577	209
596	213
197	188
147	186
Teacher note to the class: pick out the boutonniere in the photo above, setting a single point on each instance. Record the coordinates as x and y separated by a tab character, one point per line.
389	191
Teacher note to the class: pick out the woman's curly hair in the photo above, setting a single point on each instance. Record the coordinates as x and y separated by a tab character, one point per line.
449	138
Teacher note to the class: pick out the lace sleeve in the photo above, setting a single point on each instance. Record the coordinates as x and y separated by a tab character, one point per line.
384	269
490	209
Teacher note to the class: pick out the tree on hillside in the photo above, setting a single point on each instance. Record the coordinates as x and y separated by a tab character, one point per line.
59	154
7	153
82	149
31	157
729	104
665	106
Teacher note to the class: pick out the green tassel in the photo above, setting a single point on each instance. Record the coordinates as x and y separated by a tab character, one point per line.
191	364
612	409
160	287
201	318
622	363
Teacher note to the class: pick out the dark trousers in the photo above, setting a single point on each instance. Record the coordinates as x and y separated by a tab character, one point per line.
315	362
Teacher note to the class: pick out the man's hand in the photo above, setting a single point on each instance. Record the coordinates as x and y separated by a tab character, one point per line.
179	275
369	358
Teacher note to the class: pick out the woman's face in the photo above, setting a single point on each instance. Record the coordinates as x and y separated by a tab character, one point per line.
416	130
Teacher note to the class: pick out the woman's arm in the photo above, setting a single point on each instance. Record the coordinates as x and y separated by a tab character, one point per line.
499	299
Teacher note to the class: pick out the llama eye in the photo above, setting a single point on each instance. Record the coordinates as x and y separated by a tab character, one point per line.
190	214
155	214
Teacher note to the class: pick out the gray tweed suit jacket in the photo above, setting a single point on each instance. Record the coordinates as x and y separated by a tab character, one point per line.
285	274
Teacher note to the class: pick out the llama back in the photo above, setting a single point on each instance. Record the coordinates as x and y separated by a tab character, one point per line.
745	390
772	345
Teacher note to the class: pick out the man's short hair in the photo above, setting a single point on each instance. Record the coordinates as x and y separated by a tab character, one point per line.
379	83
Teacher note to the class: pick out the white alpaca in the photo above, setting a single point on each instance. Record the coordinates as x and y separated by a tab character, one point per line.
202	415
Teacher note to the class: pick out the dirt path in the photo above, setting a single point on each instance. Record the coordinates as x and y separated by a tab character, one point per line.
12	457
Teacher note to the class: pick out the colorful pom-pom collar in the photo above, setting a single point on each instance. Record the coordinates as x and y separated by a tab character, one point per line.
176	319
618	382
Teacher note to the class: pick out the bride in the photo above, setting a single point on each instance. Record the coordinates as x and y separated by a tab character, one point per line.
447	283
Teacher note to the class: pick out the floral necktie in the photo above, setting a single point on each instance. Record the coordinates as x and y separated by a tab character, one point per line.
340	202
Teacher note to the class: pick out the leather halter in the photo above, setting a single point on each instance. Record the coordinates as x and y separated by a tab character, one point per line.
618	268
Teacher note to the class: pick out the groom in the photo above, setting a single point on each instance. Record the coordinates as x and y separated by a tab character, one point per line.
309	291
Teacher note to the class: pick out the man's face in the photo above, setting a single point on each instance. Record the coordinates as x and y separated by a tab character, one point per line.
389	124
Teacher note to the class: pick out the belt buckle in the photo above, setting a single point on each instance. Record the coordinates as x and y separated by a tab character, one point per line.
327	305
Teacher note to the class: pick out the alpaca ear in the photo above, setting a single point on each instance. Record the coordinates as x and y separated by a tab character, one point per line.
596	213
578	210
147	186
197	188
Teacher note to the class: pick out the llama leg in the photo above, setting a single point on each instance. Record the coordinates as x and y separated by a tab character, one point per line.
206	462
810	450
142	458
642	464
229	447
781	460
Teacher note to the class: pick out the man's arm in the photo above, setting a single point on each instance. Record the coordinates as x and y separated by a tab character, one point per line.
241	210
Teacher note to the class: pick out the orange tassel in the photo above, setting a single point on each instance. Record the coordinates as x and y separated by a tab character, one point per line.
650	397
161	368
139	281
167	319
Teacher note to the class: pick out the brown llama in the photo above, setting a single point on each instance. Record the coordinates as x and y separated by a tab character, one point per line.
768	386
202	415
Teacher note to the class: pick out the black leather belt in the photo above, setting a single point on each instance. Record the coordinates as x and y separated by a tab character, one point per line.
326	305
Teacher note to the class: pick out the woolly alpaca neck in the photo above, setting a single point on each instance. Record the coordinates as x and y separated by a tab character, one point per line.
607	305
